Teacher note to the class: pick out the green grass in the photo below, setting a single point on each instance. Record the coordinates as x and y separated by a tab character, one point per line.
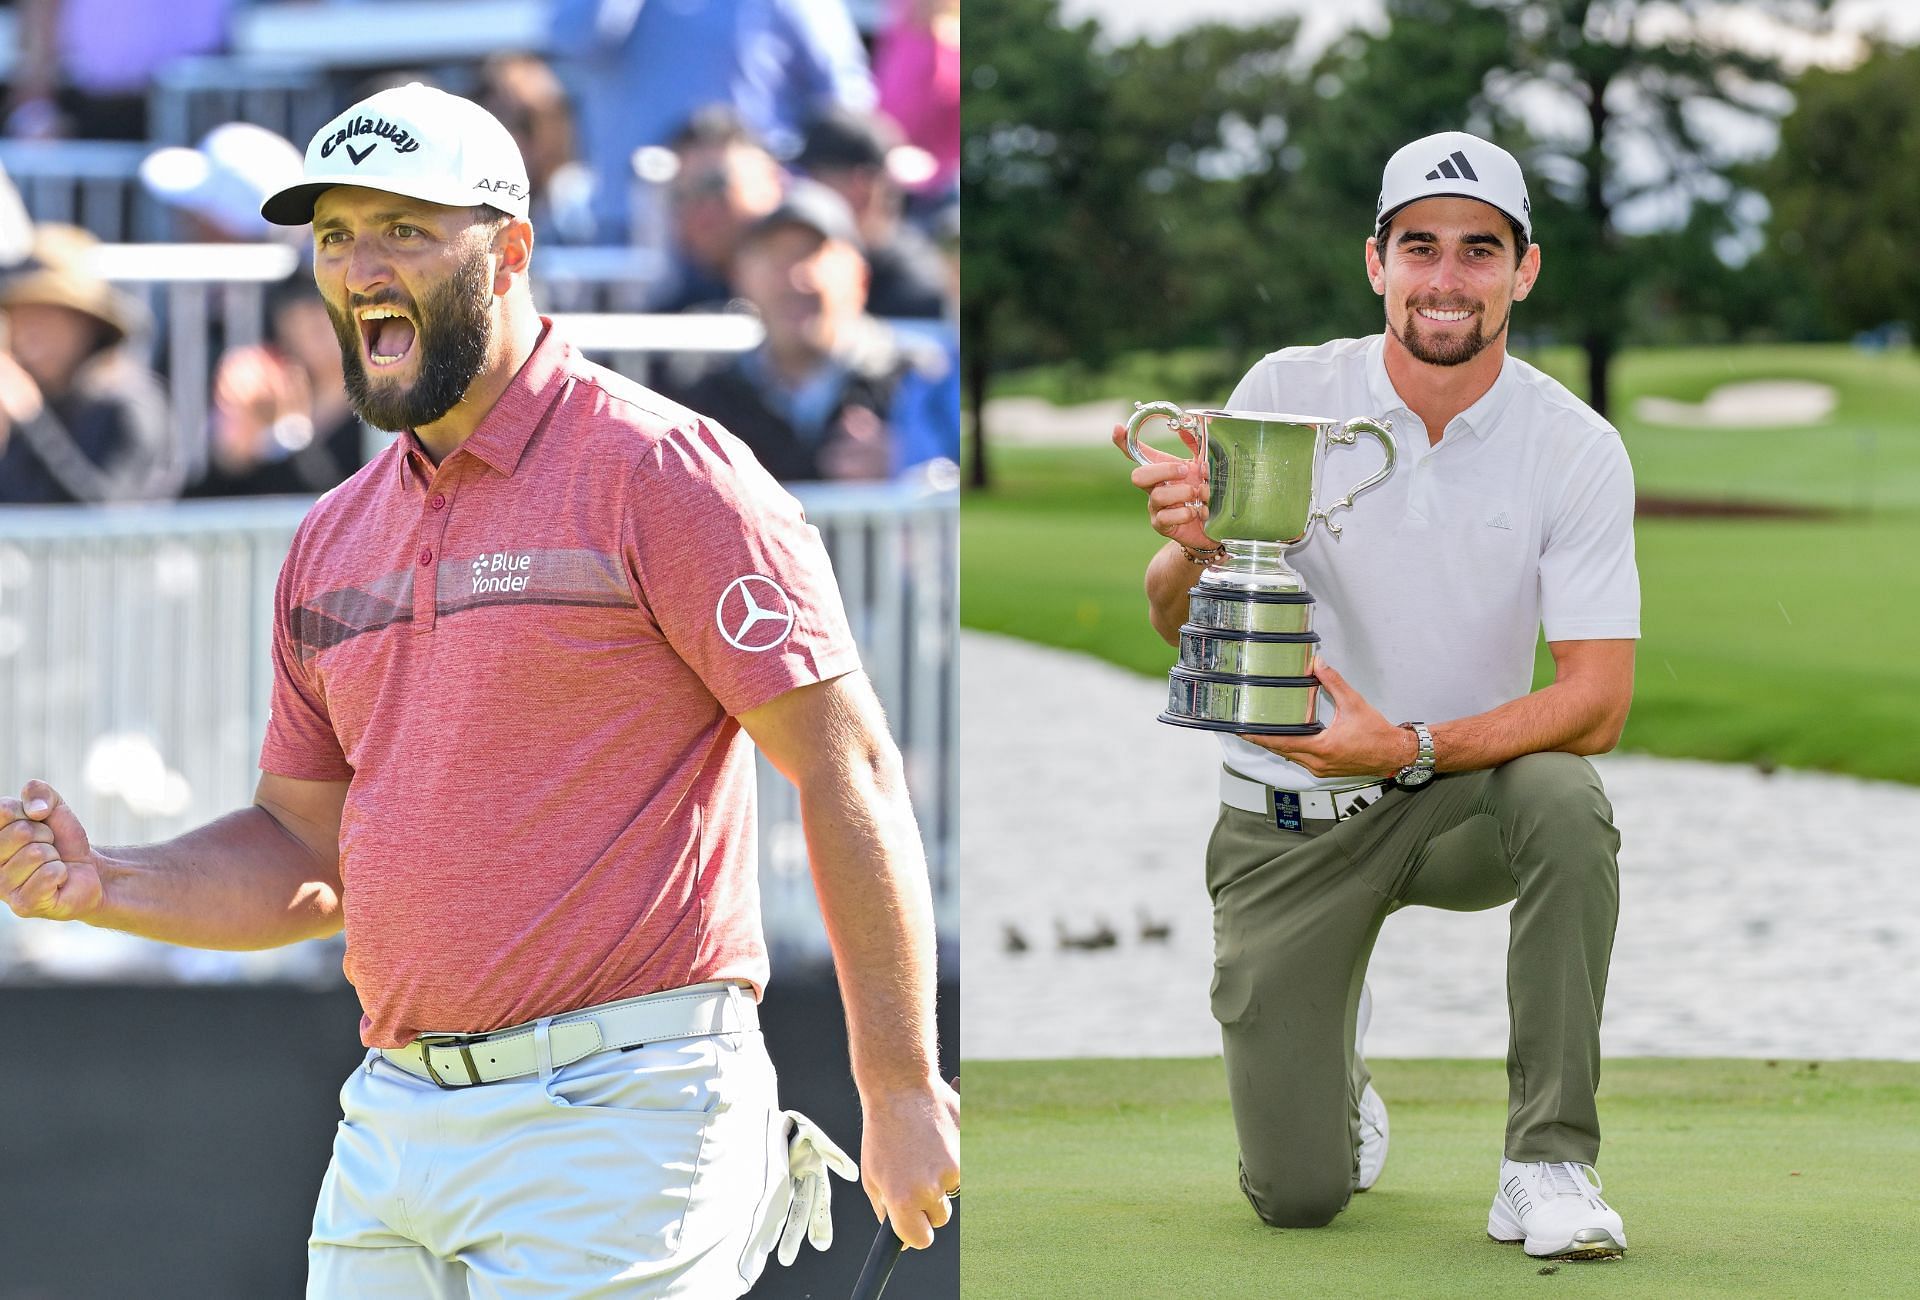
1783	641
1115	1180
1056	554
1865	456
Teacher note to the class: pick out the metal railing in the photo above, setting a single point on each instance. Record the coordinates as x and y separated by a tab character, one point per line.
286	93
135	676
90	183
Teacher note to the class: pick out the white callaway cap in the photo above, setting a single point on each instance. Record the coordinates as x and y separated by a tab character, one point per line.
1455	163
412	140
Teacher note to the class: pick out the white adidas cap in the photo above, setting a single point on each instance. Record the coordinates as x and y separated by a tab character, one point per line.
412	140
1457	164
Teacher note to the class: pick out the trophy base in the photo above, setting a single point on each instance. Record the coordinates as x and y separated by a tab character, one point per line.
1246	728
1257	706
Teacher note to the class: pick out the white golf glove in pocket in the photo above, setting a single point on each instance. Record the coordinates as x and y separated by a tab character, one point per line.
810	1154
799	1206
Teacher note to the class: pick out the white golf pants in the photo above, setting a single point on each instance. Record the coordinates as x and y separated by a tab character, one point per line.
631	1173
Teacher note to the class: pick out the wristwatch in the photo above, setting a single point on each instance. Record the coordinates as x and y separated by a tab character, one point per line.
1420	770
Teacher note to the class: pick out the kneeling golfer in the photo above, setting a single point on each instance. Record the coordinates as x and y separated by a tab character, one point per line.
520	663
1441	780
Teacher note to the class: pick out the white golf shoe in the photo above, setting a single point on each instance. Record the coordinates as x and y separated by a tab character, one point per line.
1373	1111
1373	1139
1555	1208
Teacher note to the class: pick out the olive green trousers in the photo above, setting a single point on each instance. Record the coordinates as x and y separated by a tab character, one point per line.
1295	918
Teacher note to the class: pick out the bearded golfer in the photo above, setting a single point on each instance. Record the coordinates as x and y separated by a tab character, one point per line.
520	661
1442	780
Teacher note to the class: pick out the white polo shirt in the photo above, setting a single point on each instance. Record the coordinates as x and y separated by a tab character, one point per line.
1432	598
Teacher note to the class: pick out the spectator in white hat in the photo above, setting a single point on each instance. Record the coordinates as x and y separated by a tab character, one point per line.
216	189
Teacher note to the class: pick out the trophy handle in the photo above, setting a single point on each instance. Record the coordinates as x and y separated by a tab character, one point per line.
1349	433
1173	415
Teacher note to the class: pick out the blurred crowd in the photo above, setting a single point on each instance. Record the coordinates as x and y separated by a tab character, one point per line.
771	157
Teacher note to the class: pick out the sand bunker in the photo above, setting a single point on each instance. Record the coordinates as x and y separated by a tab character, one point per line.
1037	422
1763	404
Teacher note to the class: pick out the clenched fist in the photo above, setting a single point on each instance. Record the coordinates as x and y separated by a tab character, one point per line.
46	864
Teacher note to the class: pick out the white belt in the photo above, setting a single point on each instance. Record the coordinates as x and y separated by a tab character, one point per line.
461	1060
1252	796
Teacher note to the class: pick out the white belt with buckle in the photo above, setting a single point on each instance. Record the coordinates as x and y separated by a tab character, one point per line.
1282	806
462	1060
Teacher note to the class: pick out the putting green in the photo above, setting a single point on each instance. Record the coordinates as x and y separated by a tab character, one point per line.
1115	1179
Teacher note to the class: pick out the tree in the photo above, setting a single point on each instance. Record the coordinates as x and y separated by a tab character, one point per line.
1048	230
1101	187
1202	122
1845	185
1638	83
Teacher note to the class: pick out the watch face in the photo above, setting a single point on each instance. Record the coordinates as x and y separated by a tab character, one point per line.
1412	777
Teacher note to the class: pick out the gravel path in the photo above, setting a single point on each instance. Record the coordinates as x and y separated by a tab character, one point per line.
1772	916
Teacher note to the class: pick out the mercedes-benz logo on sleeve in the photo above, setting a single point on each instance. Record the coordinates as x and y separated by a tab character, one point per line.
754	613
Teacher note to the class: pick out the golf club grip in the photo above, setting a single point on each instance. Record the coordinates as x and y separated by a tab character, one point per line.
881	1256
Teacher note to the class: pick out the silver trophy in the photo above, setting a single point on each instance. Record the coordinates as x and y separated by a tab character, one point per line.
1246	650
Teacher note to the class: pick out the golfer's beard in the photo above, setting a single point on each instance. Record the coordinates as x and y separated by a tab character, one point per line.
1439	349
453	338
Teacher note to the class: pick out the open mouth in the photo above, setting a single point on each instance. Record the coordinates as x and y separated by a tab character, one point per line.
387	336
1447	316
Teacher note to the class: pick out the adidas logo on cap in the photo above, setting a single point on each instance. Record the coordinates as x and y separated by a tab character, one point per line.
1454	163
1454	167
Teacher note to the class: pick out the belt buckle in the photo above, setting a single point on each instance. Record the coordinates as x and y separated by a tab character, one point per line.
1356	800
427	1042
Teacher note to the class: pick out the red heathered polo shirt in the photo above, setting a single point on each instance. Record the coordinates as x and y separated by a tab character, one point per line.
525	662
